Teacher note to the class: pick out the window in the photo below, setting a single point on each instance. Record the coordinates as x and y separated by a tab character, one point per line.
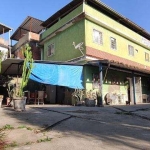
97	37
113	43
146	56
50	50
131	50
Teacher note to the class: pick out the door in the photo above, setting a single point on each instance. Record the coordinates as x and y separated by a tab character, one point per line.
51	94
138	90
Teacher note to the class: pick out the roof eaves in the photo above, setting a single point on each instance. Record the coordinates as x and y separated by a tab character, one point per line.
63	11
28	18
6	28
123	20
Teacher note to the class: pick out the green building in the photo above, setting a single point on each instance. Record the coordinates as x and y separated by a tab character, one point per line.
113	50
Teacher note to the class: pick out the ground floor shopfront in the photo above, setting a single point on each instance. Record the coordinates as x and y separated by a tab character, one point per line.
106	83
117	87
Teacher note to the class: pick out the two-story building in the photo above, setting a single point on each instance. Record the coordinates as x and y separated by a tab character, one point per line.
113	50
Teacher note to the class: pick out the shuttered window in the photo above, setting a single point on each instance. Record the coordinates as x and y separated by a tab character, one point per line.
97	37
50	50
146	56
113	43
131	50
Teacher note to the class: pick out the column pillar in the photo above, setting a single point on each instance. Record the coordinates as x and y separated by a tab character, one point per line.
101	85
133	82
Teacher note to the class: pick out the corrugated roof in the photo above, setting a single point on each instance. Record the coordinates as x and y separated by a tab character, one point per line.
4	28
101	7
30	24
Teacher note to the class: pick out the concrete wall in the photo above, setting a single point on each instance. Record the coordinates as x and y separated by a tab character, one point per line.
113	82
63	43
61	22
122	34
35	51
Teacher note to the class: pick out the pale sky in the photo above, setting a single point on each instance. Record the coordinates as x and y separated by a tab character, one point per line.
13	12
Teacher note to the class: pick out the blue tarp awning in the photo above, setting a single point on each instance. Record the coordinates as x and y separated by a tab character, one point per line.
54	74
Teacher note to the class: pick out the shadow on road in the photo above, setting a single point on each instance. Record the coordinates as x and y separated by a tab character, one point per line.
107	125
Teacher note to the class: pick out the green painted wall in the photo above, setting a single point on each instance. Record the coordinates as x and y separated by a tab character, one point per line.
64	50
62	21
114	81
88	76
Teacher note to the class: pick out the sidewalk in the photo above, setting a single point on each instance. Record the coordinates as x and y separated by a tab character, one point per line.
56	127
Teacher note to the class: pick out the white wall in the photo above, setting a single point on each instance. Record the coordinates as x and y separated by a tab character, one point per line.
5	51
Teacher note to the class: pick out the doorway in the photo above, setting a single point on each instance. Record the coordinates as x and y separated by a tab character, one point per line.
138	90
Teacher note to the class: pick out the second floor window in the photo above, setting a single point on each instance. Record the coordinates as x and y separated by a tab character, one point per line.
113	43
97	37
131	50
50	50
146	57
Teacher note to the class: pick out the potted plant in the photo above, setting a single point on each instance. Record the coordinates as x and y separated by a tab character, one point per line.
91	98
77	97
18	94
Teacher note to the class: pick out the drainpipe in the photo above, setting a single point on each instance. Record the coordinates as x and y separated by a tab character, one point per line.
42	53
133	81
101	84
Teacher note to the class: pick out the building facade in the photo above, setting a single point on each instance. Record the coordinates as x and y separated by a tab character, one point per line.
27	32
114	50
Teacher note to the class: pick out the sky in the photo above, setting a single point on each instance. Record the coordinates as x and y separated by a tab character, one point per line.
14	12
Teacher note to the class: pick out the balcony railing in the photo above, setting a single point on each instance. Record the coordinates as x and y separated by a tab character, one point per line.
30	36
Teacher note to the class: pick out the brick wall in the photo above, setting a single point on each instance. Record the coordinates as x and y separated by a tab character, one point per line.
35	51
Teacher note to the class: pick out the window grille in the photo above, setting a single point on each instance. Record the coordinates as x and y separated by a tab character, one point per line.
113	43
131	50
97	37
146	56
50	50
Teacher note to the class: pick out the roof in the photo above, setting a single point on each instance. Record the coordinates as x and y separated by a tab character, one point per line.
10	66
101	7
30	24
13	66
61	13
4	28
119	67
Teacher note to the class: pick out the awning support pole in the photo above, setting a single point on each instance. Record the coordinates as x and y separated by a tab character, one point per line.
133	81
101	85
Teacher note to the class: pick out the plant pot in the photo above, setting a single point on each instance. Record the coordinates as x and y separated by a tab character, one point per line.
90	102
19	103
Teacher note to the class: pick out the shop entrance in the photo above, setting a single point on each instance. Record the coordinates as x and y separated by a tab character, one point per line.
138	90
